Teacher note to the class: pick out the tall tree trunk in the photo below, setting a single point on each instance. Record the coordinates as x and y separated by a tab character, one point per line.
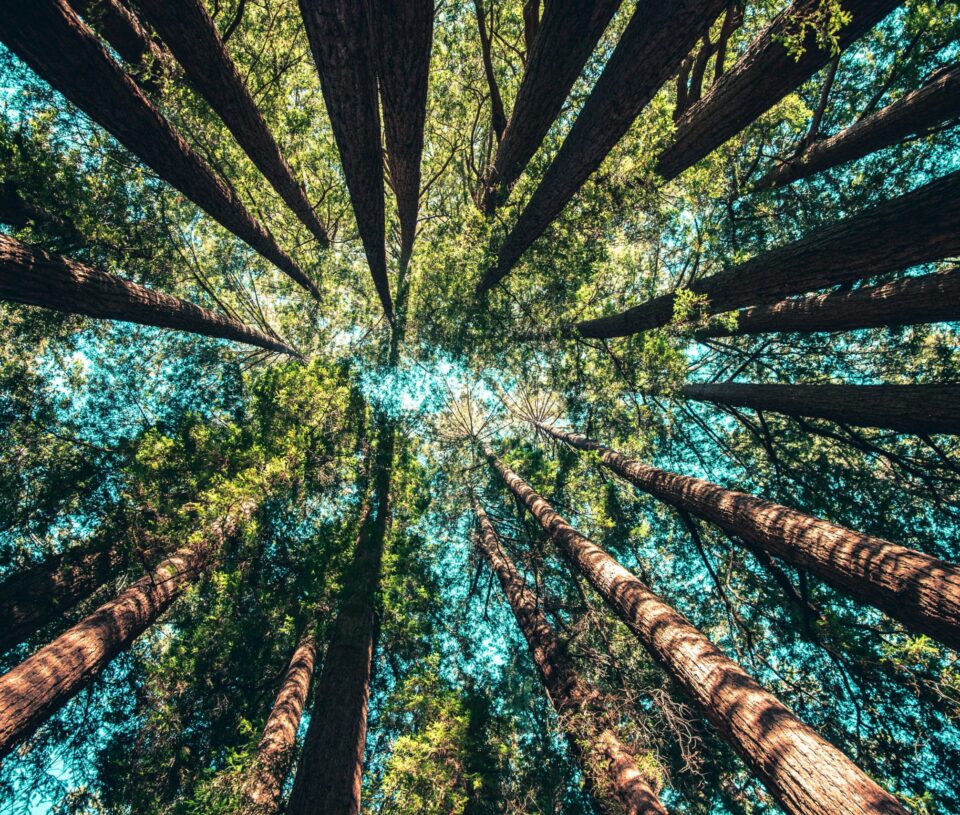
932	298
190	34
804	773
264	786
37	278
498	119
920	591
613	772
657	38
340	39
38	687
54	42
125	33
904	408
919	227
403	31
915	113
564	41
762	77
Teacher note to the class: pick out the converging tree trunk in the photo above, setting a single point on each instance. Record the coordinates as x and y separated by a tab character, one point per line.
918	227
32	276
804	773
54	42
920	591
125	33
604	758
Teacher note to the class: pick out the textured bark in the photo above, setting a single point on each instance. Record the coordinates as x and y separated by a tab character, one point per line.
759	79
54	42
904	408
37	278
615	778
341	42
403	31
657	38
121	28
804	773
915	113
932	298
566	36
919	227
38	687
920	591
190	34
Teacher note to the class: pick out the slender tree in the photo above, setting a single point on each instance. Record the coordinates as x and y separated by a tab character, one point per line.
50	37
125	33
498	117
608	763
37	278
805	774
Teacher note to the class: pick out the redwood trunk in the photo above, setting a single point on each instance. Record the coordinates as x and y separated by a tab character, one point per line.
602	755
54	42
37	278
121	28
805	774
920	591
919	227
38	687
917	409
657	38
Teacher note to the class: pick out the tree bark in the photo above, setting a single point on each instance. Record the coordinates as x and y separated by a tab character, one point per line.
615	778
124	32
919	227
38	687
657	38
498	119
760	78
917	409
37	278
932	298
49	37
340	39
804	773
920	591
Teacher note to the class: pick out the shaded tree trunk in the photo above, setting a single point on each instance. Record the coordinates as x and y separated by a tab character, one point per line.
498	119
657	38
804	773
37	278
920	591
531	26
54	42
604	758
125	34
919	227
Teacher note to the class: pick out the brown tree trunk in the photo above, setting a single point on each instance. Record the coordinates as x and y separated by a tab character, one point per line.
34	277
264	786
919	227
657	38
340	39
932	298
38	687
566	36
920	591
531	26
613	772
804	773
498	119
760	78
54	42
125	33
918	409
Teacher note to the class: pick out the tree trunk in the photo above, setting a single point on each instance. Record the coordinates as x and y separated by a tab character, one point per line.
565	39
403	31
125	33
915	113
760	78
340	39
919	227
54	42
804	773
932	298
498	119
38	687
37	278
920	591
610	766
264	786
657	38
